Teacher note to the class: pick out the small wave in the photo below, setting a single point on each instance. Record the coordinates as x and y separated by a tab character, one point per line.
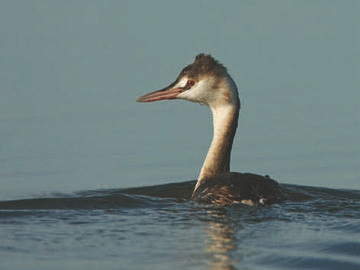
172	193
305	193
93	202
107	199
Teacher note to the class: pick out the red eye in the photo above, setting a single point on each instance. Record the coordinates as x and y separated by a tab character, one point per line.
190	83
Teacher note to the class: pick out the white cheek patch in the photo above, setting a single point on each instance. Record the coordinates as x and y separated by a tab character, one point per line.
195	94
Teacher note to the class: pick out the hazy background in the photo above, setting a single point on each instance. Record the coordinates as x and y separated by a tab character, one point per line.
70	72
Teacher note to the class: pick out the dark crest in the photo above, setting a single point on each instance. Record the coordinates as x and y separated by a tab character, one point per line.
204	64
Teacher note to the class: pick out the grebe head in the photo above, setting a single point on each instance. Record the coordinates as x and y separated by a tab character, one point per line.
205	81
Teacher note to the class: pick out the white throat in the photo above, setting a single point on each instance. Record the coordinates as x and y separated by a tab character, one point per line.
217	161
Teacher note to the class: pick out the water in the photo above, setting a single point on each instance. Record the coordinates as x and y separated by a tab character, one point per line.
158	227
90	179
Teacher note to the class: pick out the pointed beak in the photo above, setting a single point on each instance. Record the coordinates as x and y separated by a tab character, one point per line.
169	92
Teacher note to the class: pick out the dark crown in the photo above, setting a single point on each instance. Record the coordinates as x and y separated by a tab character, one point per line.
204	64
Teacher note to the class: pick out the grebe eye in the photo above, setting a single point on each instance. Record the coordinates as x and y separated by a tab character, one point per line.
190	83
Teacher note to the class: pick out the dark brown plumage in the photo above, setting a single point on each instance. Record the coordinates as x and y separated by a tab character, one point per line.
203	64
232	187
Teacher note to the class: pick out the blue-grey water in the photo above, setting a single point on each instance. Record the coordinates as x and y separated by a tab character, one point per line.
90	179
158	227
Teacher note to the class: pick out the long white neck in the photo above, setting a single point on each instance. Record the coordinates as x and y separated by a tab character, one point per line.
225	118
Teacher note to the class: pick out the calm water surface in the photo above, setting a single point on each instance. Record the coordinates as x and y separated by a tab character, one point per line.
315	228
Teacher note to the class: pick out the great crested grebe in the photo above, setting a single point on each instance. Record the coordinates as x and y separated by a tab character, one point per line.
206	81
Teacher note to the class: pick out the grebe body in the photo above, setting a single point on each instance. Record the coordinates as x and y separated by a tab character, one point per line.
233	187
